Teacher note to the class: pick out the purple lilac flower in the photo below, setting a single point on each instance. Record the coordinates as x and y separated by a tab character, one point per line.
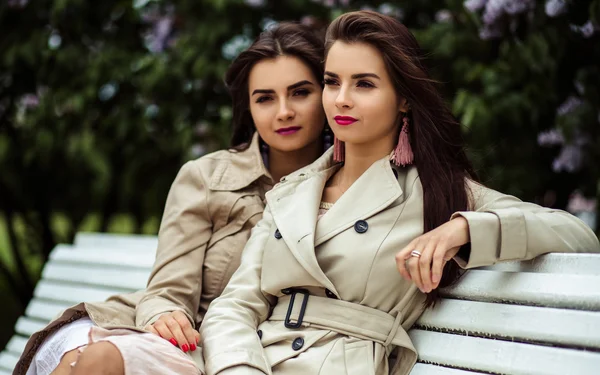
17	3
569	160
255	3
569	105
30	101
555	8
551	137
513	7
474	5
579	203
443	16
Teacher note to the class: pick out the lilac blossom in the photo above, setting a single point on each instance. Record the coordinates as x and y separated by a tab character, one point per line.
474	5
569	160
255	3
443	16
555	8
17	3
30	101
579	203
551	137
569	105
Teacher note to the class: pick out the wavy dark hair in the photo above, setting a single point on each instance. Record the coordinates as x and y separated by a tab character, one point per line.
435	137
285	39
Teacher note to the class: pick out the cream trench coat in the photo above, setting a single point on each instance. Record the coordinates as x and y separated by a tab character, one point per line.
359	309
211	207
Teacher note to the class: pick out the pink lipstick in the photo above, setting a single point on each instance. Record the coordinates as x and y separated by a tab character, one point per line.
344	120
289	130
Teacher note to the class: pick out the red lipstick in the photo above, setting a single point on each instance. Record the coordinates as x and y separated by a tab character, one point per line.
344	120
289	130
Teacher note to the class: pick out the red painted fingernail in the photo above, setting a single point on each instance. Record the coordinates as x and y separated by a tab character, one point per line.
185	348
173	341
192	347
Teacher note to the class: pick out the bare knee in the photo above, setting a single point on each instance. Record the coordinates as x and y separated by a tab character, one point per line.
102	358
64	367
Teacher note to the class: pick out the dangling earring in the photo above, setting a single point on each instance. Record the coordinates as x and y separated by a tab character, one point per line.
403	154
339	150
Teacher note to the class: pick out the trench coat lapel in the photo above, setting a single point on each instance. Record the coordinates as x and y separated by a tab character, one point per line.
373	192
295	206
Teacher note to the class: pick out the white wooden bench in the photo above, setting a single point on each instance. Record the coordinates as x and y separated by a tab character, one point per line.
537	317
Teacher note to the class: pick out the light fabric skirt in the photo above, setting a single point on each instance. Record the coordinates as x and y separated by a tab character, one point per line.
143	353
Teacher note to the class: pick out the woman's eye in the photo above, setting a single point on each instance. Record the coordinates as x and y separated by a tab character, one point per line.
329	81
301	92
365	84
263	99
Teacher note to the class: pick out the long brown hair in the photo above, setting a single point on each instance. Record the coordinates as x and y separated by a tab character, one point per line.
285	39
436	138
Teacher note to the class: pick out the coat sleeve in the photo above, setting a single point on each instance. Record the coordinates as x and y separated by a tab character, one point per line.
230	342
176	279
504	228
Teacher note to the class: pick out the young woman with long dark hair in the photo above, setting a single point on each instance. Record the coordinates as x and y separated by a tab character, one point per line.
352	248
213	204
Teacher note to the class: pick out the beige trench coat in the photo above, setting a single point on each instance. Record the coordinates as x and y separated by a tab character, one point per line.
359	309
211	207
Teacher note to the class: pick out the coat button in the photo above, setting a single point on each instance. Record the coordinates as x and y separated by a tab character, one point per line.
259	332
277	234
330	294
298	343
361	226
286	291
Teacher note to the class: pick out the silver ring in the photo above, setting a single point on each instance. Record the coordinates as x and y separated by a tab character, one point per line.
415	253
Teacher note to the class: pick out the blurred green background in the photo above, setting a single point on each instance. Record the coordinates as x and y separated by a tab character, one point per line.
101	102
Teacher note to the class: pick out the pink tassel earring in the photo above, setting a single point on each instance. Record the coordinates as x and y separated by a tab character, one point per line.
403	154
339	150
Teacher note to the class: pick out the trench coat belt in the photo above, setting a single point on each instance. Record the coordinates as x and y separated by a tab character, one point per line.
344	317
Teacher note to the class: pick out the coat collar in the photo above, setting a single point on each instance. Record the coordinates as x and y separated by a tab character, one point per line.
294	204
241	169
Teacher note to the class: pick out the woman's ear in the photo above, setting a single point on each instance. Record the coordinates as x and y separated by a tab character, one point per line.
403	105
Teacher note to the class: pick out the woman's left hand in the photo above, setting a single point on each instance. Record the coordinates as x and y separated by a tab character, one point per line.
436	248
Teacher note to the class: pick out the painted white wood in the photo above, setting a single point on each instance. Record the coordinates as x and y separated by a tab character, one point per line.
503	357
27	326
45	310
102	256
73	293
116	277
116	241
8	360
551	290
564	263
515	322
16	344
426	369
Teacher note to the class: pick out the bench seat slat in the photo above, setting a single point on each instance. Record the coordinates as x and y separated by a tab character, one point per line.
564	263
550	290
499	356
26	326
73	294
16	344
105	257
130	279
45	310
8	360
426	369
116	241
521	323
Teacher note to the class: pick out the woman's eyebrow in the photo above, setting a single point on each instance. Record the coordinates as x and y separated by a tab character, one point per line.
290	87
355	76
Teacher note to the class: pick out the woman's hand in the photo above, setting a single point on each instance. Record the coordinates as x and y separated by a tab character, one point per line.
436	248
176	328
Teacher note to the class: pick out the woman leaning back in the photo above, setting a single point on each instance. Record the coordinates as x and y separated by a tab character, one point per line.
351	248
212	205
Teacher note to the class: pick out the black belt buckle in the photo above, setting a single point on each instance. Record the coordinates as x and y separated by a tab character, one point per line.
298	324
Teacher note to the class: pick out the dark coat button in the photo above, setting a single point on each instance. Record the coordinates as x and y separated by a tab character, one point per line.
298	343
277	234
330	294
259	332
286	291
361	226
